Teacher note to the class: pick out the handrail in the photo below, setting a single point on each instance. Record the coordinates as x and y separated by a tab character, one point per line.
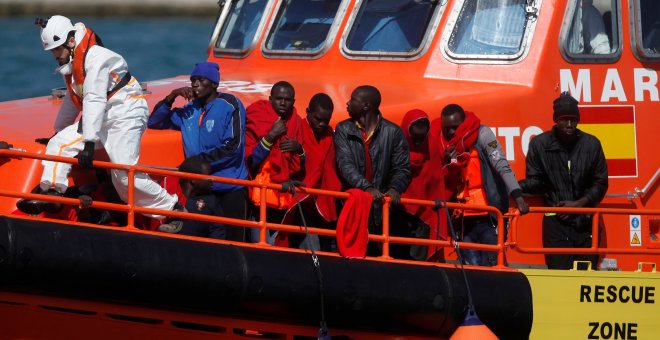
595	248
383	238
262	223
637	192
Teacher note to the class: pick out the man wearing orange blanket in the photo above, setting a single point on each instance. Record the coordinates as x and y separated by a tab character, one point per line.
273	147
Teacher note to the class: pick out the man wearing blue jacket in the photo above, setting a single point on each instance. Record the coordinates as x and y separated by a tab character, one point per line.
212	125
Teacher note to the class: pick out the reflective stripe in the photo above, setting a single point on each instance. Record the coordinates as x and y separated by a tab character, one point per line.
59	153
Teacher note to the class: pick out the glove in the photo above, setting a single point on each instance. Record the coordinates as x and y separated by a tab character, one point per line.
44	140
86	156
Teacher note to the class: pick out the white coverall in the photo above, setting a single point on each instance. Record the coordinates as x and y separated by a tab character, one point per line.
117	124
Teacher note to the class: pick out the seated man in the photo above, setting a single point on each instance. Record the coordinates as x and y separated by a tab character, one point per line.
199	200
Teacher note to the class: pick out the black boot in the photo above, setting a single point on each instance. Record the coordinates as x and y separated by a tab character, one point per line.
36	207
52	207
30	207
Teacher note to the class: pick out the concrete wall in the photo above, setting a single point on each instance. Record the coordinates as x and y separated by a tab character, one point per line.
9	8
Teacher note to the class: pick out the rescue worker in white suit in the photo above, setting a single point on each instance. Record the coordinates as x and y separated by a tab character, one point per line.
114	115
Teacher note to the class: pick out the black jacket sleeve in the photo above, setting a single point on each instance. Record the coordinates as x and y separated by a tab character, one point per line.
596	192
533	182
347	165
400	173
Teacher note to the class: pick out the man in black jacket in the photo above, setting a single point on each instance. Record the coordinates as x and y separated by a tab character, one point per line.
568	167
372	152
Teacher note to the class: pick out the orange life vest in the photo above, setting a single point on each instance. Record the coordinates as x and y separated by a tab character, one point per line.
274	198
78	73
471	188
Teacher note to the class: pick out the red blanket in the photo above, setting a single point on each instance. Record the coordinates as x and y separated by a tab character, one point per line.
463	140
427	181
353	225
321	169
260	117
320	173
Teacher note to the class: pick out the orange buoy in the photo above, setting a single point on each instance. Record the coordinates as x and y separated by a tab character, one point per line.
472	329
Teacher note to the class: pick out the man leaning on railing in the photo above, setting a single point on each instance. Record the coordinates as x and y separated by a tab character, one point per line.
568	167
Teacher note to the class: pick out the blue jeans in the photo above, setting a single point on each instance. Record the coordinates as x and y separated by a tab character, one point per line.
479	229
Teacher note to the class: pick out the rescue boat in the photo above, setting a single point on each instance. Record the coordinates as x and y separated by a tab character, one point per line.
505	60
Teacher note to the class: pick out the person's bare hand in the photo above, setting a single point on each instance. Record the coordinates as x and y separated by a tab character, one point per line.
276	130
394	195
85	201
290	145
568	204
450	153
523	207
185	92
375	194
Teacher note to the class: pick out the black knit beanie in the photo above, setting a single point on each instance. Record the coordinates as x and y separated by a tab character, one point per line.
565	106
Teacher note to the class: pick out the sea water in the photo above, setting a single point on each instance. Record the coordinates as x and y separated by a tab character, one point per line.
155	48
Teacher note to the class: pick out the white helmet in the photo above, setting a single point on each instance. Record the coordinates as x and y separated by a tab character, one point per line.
55	32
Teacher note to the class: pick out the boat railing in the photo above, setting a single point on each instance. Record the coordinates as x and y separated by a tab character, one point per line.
596	225
384	238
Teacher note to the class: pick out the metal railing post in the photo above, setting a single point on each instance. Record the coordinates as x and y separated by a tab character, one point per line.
386	227
595	226
130	221
262	216
500	241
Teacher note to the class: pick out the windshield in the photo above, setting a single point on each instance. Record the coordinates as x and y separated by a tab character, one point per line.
489	27
241	24
390	25
302	25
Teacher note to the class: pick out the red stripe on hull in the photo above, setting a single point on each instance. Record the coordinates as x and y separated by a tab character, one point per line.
607	115
622	167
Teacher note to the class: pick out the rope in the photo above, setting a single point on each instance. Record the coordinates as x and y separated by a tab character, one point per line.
290	187
441	204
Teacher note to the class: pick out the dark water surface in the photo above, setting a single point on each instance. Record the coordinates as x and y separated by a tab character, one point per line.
154	48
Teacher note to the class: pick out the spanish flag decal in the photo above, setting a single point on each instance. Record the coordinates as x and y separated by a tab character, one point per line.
615	128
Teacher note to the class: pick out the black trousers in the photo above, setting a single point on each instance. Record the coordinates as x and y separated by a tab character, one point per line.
234	205
557	234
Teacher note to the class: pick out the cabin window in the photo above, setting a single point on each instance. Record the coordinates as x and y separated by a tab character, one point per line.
239	22
590	31
490	29
303	26
647	28
391	28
